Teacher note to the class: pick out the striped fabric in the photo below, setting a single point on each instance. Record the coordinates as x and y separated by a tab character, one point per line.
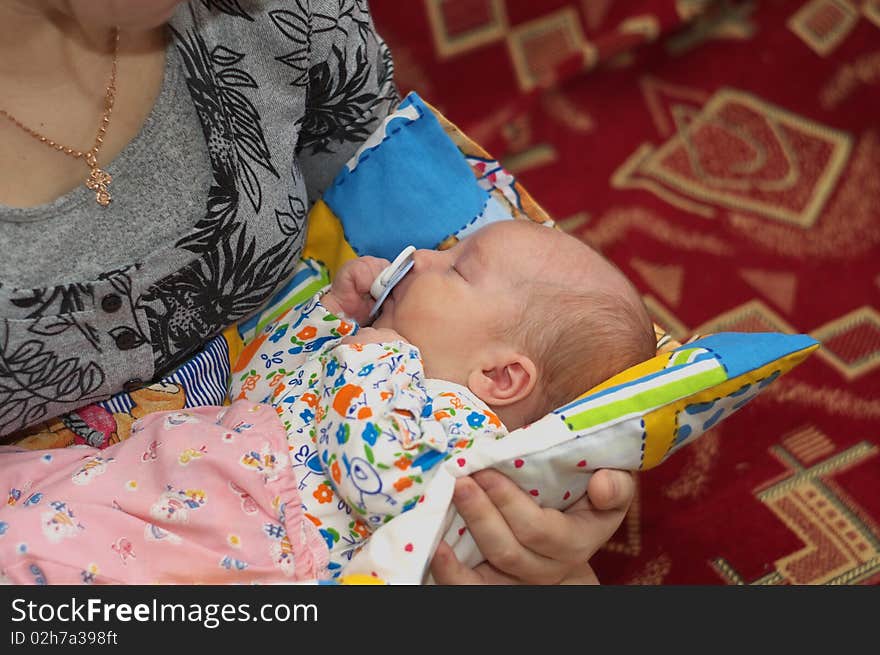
309	278
642	395
688	355
203	379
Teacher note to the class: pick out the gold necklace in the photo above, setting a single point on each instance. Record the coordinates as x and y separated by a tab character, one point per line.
98	179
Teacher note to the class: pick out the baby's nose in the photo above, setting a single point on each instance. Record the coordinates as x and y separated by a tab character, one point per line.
424	259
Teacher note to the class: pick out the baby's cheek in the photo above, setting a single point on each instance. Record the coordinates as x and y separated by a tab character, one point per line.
427	320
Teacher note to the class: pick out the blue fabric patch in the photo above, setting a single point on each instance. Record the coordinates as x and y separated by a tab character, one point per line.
713	419
741	390
744	352
493	212
414	188
684	431
698	408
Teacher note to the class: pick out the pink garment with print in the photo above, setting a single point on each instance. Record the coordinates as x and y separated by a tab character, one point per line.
204	496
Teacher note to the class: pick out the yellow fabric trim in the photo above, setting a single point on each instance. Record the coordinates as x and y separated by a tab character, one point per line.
361	579
660	428
234	342
636	372
661	424
325	239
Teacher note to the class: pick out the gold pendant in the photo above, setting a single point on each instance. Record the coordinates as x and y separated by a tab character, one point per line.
98	182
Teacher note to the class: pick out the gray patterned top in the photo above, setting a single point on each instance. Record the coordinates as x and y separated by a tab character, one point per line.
262	103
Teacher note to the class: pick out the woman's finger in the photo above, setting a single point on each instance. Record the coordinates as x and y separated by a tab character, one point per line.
595	524
569	537
610	489
506	550
582	575
549	533
447	570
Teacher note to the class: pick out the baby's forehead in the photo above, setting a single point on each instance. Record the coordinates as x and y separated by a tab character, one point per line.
497	239
520	241
493	248
539	253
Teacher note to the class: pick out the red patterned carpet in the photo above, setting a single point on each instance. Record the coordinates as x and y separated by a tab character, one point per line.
725	154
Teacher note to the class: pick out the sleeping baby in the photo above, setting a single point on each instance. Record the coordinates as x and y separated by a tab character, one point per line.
341	446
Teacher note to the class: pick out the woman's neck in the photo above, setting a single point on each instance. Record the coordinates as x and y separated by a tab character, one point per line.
45	46
39	40
53	79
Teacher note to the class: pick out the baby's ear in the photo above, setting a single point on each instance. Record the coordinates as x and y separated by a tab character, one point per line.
504	380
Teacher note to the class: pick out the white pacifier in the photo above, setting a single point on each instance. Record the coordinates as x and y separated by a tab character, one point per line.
390	276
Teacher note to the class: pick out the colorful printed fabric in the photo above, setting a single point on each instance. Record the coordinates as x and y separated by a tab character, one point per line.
365	428
205	496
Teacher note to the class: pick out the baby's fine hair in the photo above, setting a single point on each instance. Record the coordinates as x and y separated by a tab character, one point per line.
579	338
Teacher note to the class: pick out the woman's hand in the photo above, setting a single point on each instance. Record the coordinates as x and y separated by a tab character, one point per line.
350	293
527	544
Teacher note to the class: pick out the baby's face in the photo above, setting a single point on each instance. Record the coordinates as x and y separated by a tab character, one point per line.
454	303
